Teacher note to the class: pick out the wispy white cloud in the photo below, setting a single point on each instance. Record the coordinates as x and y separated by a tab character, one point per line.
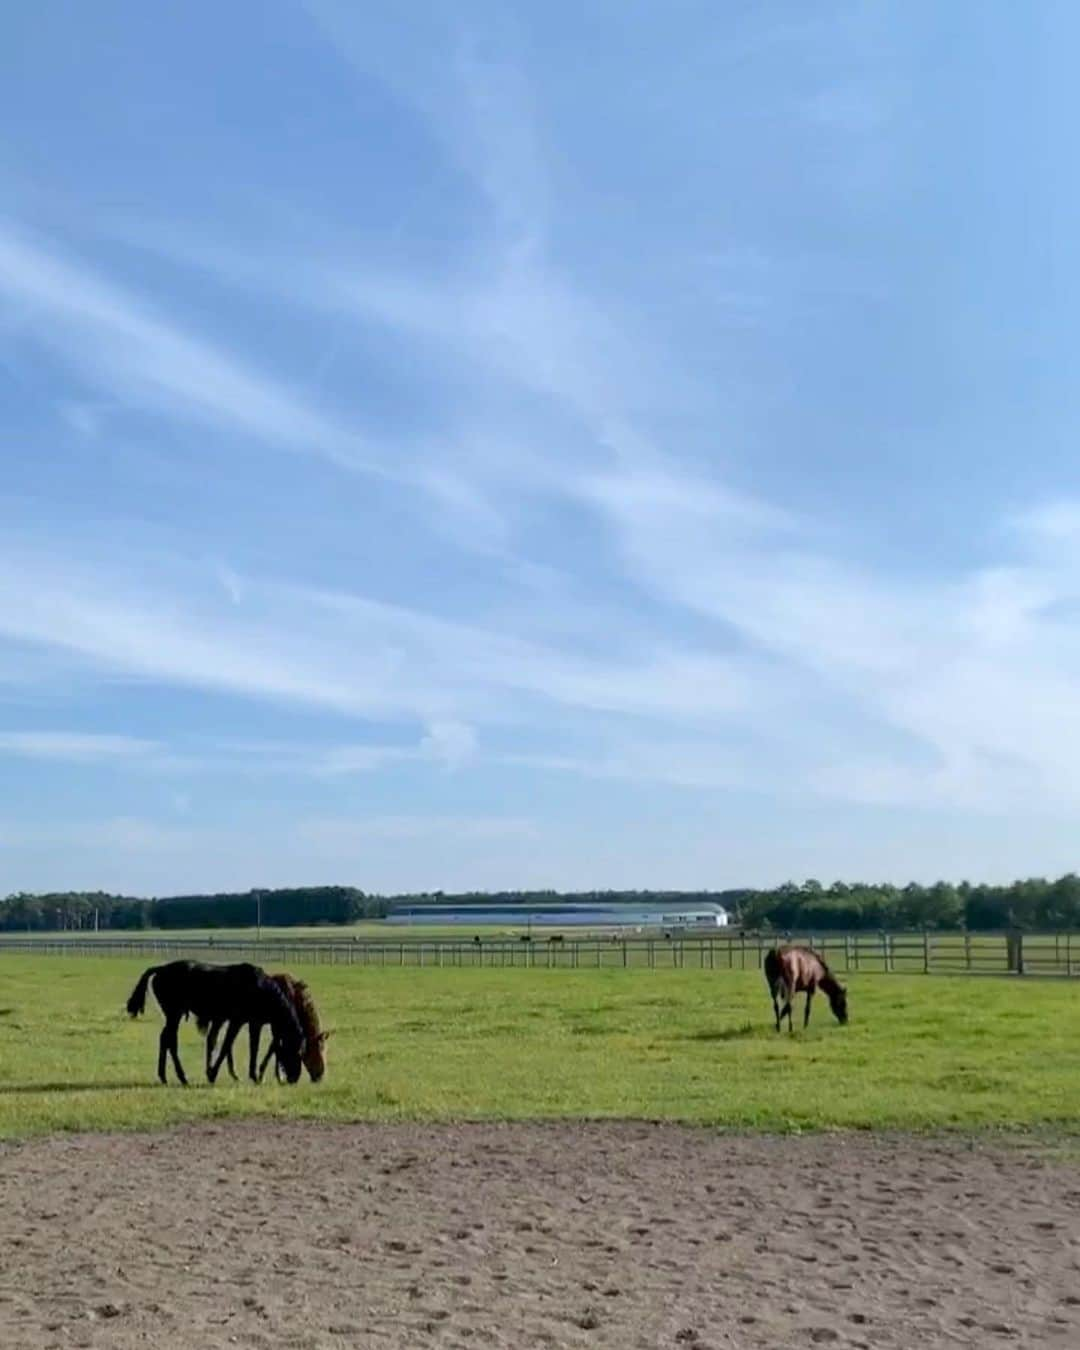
75	746
342	832
335	650
126	834
83	417
143	358
474	101
140	855
977	671
853	681
703	763
451	744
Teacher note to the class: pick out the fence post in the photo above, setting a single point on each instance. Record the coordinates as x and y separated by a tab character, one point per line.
926	952
967	952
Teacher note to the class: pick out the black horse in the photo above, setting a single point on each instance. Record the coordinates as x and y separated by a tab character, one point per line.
236	995
313	1056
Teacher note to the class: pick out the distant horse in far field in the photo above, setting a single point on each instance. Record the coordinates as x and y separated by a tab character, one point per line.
797	970
314	1053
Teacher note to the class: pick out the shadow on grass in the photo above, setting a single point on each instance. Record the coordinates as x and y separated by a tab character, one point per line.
28	1089
739	1033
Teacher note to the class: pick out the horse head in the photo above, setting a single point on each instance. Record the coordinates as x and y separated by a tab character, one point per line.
290	1052
315	1055
314	1051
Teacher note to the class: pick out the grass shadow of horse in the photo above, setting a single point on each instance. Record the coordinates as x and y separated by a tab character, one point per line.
104	1085
744	1031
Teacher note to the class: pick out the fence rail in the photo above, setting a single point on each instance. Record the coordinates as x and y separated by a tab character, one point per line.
1056	954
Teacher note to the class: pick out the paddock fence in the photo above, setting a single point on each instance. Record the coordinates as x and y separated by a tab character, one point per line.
1026	954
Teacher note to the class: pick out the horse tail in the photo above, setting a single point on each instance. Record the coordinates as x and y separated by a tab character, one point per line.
136	1004
773	967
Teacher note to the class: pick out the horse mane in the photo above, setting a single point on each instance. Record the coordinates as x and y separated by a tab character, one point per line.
296	991
825	971
280	997
828	984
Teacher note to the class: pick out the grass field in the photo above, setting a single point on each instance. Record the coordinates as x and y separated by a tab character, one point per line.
684	1045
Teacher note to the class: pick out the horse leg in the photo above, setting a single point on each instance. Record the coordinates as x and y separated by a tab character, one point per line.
775	1008
789	995
163	1051
784	997
266	1059
230	1065
230	1036
806	1015
211	1040
173	1029
255	1034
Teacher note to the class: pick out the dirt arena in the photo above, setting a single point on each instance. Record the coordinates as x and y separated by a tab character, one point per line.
628	1235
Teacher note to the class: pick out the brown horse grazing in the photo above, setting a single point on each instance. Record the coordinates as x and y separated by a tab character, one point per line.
217	995
314	1052
797	970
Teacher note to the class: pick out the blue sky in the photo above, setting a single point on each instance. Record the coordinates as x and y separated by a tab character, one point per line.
543	445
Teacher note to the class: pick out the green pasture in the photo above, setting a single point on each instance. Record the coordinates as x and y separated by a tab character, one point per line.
689	1045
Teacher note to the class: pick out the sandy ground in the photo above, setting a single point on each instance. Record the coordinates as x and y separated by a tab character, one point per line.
628	1235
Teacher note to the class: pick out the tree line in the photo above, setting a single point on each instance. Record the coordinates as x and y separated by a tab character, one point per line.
86	911
1036	903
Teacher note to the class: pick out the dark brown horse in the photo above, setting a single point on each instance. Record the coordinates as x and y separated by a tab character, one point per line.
216	995
314	1053
798	970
